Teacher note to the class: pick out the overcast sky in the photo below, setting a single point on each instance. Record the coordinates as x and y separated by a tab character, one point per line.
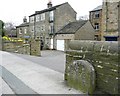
15	10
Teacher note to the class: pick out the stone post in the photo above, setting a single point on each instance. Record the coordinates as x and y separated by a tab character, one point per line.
35	47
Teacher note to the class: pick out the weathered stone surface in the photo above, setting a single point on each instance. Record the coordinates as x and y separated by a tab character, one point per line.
35	47
0	42
94	45
31	47
81	45
81	75
23	49
104	59
110	14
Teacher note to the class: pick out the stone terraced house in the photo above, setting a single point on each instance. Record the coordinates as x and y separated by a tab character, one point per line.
95	17
105	20
45	23
23	29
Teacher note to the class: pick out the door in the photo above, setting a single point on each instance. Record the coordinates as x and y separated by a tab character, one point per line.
51	46
110	38
60	45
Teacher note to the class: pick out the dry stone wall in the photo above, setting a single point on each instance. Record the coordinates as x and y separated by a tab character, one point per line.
103	56
32	47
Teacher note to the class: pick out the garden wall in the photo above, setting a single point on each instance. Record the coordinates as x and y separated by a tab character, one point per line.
103	56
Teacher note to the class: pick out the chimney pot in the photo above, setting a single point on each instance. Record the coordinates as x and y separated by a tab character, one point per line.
49	4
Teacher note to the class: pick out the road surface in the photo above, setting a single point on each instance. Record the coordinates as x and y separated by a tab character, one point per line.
51	59
26	74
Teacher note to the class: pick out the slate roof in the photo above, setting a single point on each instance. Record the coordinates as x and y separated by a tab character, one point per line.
72	27
48	9
97	8
23	25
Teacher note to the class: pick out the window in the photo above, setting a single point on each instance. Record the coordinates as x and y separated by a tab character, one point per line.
32	28
97	14
42	17
37	28
20	31
32	19
43	28
96	37
51	27
37	18
96	26
32	31
25	31
51	15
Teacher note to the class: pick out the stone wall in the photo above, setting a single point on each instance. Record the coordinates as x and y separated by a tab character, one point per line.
35	47
23	49
0	42
103	56
16	47
32	47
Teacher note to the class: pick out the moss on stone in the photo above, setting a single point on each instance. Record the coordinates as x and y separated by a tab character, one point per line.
105	63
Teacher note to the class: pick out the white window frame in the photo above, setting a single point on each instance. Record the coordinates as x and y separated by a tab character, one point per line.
20	31
42	17
97	26
51	15
25	31
51	28
37	18
97	15
32	28
32	19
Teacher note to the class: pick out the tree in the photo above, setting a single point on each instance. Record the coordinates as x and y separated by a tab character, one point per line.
2	32
8	28
85	17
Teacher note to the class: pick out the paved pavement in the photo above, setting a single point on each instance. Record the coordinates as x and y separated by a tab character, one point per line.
5	89
29	77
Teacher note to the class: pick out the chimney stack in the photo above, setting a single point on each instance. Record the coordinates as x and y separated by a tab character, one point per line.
49	5
24	19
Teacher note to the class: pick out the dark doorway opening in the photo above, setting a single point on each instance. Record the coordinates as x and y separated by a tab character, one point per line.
111	38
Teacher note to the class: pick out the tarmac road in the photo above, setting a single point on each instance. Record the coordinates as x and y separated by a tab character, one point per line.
51	59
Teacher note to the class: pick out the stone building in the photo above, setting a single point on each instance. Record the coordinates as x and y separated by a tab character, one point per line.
78	30
45	23
95	17
110	20
23	29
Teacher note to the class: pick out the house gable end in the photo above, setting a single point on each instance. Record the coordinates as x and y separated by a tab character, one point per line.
86	32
